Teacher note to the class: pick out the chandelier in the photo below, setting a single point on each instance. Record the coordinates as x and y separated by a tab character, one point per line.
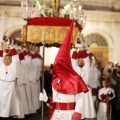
27	8
72	10
76	12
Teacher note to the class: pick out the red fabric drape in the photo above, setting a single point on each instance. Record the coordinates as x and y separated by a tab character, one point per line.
52	21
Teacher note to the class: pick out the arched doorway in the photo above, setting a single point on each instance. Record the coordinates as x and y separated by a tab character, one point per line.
16	35
99	48
14	32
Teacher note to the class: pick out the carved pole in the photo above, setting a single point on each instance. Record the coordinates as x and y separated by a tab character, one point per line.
24	34
107	101
42	103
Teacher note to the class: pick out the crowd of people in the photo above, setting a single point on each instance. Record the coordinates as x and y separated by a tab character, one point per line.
72	84
96	100
20	69
75	87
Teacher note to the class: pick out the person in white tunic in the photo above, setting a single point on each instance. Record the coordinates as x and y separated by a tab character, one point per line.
22	84
28	75
82	67
38	66
94	78
102	109
9	105
95	82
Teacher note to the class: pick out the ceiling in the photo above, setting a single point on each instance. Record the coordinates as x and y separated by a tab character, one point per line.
110	5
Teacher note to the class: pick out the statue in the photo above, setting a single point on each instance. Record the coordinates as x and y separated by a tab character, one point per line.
56	7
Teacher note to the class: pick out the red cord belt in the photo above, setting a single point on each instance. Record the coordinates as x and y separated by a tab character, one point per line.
104	101
94	91
65	106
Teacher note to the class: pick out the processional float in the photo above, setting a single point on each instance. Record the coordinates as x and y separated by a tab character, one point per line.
48	31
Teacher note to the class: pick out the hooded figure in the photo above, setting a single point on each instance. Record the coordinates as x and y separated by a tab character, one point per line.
68	87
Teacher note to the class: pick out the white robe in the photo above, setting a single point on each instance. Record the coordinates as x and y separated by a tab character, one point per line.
66	98
9	105
95	76
101	114
33	84
89	109
38	66
22	87
28	85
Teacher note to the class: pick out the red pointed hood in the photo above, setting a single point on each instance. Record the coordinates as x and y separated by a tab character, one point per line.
70	81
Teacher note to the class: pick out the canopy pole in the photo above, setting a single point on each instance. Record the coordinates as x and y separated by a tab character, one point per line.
42	103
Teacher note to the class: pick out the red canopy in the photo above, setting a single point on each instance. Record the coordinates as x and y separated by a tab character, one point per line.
52	21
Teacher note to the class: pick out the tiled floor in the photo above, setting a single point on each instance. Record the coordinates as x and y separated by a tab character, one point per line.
38	116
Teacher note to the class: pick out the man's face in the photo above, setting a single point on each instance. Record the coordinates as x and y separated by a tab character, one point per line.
80	62
33	47
7	60
37	49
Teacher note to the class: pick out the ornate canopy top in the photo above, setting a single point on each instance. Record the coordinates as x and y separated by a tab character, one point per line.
52	30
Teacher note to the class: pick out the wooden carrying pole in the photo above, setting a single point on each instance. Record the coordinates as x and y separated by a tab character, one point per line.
42	103
107	101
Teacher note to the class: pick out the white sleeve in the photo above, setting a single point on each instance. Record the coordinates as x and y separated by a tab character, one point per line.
1	60
79	102
87	63
93	62
87	69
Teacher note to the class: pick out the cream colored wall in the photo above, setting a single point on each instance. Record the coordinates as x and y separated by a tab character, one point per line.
1	23
11	20
50	54
106	24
